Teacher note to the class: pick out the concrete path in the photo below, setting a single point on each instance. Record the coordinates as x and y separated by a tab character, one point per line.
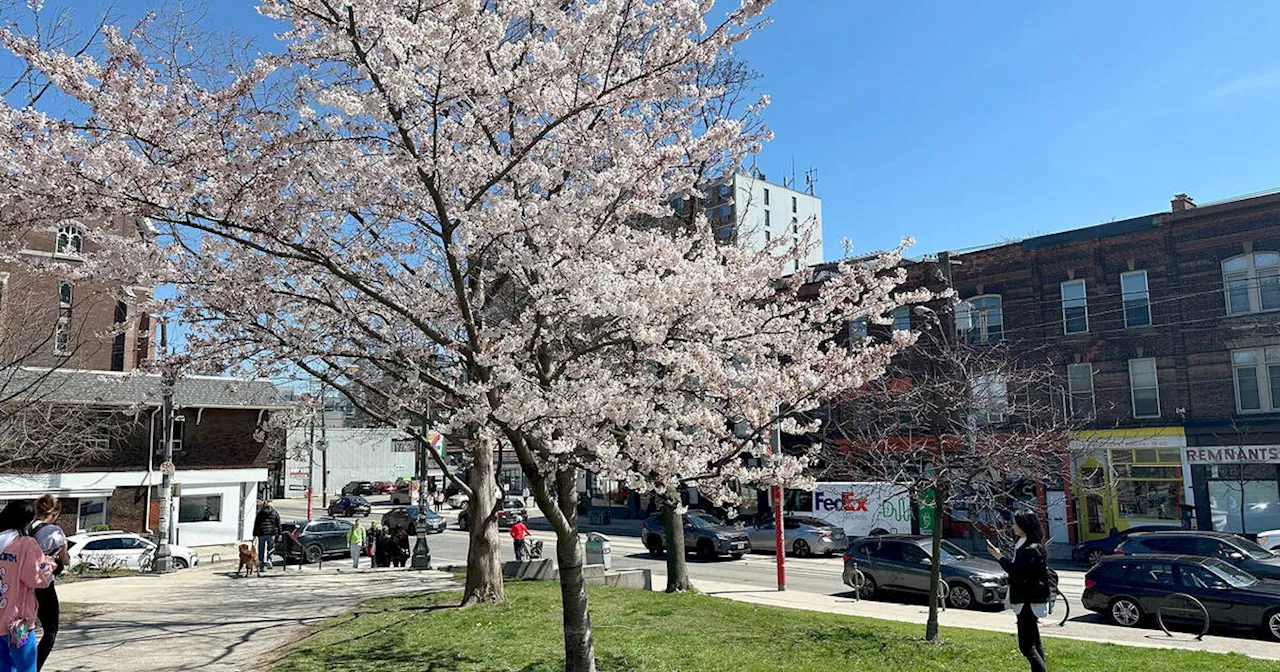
1088	626
206	619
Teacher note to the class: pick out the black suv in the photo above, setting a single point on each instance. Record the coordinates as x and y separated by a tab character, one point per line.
358	488
1229	548
1129	589
350	506
311	540
704	534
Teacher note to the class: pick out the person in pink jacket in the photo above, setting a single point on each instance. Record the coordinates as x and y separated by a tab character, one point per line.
23	568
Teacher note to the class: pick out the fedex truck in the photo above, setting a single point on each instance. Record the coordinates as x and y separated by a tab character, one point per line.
860	508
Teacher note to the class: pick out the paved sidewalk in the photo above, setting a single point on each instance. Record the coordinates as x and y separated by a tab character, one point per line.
206	619
1090	627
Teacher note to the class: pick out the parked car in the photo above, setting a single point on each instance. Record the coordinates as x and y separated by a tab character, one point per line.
351	505
901	563
803	535
1093	551
512	509
383	487
1229	548
403	494
456	501
704	534
1269	540
1130	589
407	517
122	550
311	540
358	488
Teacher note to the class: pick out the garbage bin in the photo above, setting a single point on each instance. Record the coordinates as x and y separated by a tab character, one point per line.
599	550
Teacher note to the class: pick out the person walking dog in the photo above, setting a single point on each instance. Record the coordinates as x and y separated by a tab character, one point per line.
1028	584
266	526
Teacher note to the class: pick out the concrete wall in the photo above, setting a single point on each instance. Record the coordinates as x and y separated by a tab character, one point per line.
353	454
801	225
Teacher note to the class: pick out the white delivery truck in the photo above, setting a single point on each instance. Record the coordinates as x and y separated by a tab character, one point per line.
863	509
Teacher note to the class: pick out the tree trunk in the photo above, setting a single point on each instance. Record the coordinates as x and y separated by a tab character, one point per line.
935	567
673	540
484	552
579	646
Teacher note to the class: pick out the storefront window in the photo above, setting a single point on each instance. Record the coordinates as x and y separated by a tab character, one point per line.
1148	483
93	511
200	509
1244	498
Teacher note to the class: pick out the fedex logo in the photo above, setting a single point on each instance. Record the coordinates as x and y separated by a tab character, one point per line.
842	501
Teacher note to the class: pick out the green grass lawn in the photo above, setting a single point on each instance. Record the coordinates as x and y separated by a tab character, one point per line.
636	630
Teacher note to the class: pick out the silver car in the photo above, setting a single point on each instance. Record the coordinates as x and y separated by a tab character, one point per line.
804	536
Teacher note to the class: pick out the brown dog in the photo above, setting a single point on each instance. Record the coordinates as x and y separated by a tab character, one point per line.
248	560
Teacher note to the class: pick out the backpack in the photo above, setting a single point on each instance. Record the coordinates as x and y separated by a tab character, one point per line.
59	568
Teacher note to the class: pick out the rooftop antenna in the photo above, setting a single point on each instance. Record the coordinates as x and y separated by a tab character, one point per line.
810	179
793	174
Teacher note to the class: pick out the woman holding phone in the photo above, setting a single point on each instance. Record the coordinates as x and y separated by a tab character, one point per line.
1028	584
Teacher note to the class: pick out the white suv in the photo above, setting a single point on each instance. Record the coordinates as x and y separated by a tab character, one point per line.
1270	540
122	550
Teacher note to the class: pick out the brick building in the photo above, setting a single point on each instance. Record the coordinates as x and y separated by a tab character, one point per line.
224	439
1164	328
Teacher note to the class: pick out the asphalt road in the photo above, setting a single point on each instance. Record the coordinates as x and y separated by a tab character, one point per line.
810	575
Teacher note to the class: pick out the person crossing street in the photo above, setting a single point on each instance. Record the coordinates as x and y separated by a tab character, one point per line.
355	541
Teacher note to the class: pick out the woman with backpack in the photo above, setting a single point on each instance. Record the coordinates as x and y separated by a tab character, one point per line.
53	541
23	569
1029	587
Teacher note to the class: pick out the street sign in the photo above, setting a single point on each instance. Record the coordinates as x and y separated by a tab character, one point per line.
167	469
297	488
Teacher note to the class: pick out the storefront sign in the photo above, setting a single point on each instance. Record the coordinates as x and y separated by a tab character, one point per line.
1234	455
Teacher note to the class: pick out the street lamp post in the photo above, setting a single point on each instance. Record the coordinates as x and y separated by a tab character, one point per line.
421	550
163	560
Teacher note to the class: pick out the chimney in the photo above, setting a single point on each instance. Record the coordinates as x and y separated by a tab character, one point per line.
1182	202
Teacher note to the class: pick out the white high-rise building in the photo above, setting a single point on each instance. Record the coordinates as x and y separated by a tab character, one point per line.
751	211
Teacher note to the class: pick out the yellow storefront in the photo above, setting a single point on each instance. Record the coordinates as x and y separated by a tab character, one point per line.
1126	478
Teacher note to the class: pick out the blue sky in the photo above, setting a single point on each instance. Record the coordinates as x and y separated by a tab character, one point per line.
963	124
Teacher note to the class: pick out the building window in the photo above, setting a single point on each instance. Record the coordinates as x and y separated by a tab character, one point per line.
200	509
797	262
1075	307
857	329
4	287
1080	388
1148	483
990	399
1252	282
1137	301
1144	388
1257	376
795	226
793	204
92	511
66	293
980	319
725	191
767	236
767	221
62	336
901	318
1243	497
766	196
70	240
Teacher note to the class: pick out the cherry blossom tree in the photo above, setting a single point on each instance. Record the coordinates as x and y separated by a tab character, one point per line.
466	199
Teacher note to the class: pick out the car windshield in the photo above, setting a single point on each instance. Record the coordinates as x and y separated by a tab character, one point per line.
1233	575
811	522
1255	551
359	500
513	504
705	520
951	552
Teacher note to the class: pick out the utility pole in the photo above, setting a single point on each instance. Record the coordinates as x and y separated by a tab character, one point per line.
324	449
311	463
779	537
163	561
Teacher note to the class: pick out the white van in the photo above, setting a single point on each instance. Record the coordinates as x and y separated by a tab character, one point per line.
861	509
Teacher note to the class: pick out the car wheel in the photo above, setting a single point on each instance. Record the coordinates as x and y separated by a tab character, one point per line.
868	587
1125	612
314	553
1094	557
705	551
960	596
654	544
1271	624
801	548
735	556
